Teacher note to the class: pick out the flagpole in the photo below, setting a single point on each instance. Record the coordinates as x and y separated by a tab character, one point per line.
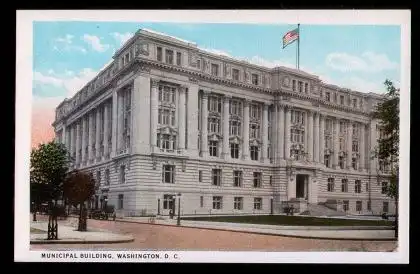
298	42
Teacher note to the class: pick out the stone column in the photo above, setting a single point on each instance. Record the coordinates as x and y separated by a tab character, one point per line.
154	109
281	125
287	133
362	147
120	123
336	132
245	144
71	140
226	133
321	138
192	118
373	144
106	131
316	137
114	122
90	137
181	118
84	137
78	143
204	120
63	135
265	133
310	135
67	142
98	133
349	143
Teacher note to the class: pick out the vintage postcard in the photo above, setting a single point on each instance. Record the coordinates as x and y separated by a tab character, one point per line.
212	136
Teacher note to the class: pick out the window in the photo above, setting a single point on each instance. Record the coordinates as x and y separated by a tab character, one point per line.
237	178
355	146
235	107
327	96
258	203
254	153
213	148
120	201
235	74
214	125
355	103
294	85
238	203
254	79
385	207
296	135
254	131
201	201
346	205
306	87
357	186
344	185
122	174
215	69
355	129
341	99
178	58
166	94
300	86
159	54
271	180
216	176
166	117
354	163
217	202
166	141
384	187
200	176
257	179
369	206
107	177
235	128
168	174
198	63
234	151
367	186
98	177
359	206
330	185
169	56
255	111
327	161
341	161
168	201
215	104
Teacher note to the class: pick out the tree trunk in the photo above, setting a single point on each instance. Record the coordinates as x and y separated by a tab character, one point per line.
34	216
82	218
396	218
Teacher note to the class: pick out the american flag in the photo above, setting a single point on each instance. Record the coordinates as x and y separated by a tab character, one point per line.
290	37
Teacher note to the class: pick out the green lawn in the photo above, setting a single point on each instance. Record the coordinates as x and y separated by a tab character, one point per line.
37	231
291	220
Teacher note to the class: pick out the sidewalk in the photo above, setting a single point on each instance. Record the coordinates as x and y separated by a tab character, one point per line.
69	235
316	232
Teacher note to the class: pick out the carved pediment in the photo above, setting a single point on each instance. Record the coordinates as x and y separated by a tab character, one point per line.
235	139
167	130
214	137
286	81
328	151
254	142
142	49
342	153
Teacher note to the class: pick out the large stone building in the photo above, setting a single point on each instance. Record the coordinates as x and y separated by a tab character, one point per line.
167	118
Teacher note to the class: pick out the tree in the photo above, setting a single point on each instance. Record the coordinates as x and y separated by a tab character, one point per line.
387	150
48	168
78	188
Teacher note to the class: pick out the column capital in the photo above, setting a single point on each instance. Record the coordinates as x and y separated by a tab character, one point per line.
206	93
182	88
247	102
154	83
227	97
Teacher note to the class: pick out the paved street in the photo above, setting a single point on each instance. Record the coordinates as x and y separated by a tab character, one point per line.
151	237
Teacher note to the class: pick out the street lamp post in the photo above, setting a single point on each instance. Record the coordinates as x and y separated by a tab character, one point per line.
178	221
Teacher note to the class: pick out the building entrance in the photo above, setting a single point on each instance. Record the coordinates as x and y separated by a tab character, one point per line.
302	186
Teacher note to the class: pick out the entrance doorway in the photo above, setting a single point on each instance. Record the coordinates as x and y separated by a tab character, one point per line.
301	186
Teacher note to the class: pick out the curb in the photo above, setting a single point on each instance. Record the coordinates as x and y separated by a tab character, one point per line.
80	241
265	233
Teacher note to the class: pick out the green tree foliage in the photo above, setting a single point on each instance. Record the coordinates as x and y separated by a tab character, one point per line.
78	188
387	151
48	169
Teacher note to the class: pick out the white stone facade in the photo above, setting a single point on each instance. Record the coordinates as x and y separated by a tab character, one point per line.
166	117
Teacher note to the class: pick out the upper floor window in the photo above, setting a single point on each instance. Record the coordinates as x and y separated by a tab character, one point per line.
107	179
330	185
255	79
169	56
235	128
159	54
341	161
167	94
327	96
215	69
216	177
122	174
306	87
328	125
355	146
166	117
257	179
384	187
235	74
355	103
235	107
237	178
168	174
300	86
255	111
215	104
297	117
357	186
254	153
342	127
178	58
98	177
234	151
214	125
213	145
294	85
255	131
341	99
344	185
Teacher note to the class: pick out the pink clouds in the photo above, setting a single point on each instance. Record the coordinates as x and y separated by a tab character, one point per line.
42	118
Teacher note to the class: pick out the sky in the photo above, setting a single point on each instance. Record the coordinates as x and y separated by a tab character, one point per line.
66	55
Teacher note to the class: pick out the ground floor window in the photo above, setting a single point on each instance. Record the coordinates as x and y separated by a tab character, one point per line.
258	203
330	185
346	205
369	205
385	206
358	205
201	201
120	201
168	201
238	203
217	202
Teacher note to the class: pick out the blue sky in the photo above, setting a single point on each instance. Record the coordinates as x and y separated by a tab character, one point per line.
67	55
